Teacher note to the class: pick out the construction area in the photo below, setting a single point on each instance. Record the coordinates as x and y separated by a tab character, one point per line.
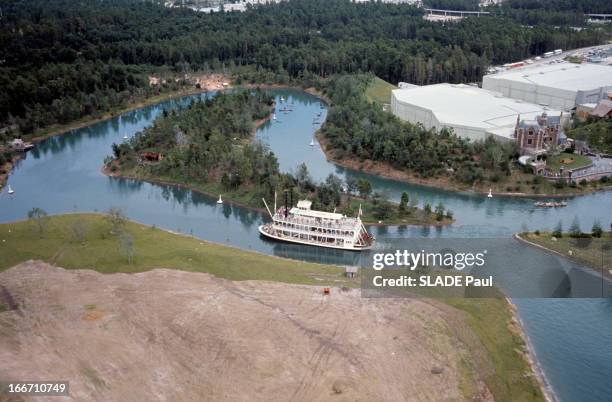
174	335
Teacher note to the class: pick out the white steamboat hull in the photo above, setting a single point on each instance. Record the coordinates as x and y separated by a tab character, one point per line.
312	243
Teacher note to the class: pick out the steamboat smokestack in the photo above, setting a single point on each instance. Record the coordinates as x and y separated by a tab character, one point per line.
286	203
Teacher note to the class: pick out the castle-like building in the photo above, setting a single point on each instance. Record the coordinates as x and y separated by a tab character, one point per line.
538	136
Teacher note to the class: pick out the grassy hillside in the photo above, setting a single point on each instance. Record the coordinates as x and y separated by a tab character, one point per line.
81	241
153	248
592	251
379	91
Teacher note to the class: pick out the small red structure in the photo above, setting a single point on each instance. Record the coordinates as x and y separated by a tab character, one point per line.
326	291
151	156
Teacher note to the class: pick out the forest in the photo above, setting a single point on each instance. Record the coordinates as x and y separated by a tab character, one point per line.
208	146
356	128
206	142
63	60
553	12
596	131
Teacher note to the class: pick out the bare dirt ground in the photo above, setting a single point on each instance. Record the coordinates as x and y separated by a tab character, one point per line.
173	335
213	82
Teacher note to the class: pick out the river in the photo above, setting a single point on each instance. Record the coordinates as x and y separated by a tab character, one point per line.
571	337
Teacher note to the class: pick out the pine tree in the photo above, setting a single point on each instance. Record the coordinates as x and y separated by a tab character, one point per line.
439	211
403	205
574	229
558	232
597	231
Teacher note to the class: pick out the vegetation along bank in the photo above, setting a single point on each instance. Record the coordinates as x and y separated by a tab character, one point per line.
208	147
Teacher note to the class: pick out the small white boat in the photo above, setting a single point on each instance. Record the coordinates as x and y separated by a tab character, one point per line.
10	190
282	99
312	143
125	136
274	116
220	201
490	195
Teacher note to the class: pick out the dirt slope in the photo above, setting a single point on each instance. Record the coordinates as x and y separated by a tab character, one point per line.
179	336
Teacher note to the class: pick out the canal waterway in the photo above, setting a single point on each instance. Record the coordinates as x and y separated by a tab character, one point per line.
572	337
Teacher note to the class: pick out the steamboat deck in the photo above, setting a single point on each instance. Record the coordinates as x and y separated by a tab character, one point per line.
317	228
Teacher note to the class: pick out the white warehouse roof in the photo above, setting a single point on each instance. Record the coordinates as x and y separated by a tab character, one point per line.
569	76
560	85
472	112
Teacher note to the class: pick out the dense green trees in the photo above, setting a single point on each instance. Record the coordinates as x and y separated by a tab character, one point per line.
209	143
356	128
596	132
62	60
205	142
554	12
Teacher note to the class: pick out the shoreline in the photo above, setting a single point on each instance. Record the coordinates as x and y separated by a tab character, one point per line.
388	172
516	324
105	171
8	168
186	235
88	121
257	125
375	169
530	355
591	268
64	129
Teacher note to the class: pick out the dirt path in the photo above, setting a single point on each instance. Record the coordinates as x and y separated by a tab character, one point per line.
174	335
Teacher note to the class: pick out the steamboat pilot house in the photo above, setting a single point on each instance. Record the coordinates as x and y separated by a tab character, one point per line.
317	228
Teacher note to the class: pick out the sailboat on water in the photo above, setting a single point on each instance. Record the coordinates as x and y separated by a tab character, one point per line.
10	190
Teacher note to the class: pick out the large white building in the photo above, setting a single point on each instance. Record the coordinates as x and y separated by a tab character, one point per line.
471	112
560	85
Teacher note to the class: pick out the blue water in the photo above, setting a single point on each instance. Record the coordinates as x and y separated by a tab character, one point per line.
571	336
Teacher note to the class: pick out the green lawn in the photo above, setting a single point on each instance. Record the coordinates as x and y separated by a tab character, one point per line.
585	250
492	321
153	248
379	91
567	161
497	347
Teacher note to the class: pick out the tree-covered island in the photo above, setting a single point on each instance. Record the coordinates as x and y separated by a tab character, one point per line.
208	146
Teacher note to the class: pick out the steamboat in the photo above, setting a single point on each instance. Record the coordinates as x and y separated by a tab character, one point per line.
303	225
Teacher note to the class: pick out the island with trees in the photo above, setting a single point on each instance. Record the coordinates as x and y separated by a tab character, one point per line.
208	146
67	63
